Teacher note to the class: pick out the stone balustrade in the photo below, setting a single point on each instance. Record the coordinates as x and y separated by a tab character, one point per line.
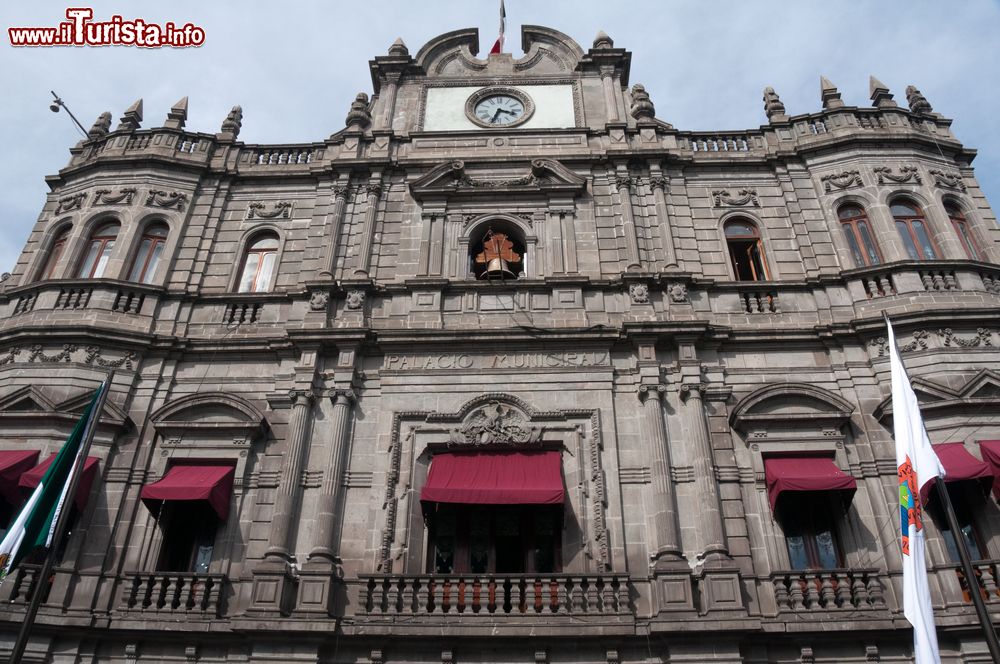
18	587
169	592
494	596
986	577
828	590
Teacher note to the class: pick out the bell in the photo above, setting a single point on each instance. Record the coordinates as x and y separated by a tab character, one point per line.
497	269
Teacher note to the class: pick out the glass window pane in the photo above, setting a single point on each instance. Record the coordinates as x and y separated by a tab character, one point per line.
265	243
852	242
54	255
925	241
848	211
904	210
869	242
87	265
797	555
202	558
266	268
966	236
740	229
140	260
154	261
904	234
102	262
249	273
827	550
157	231
970	542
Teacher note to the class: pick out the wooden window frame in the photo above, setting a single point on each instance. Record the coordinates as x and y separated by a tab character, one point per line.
795	522
55	253
849	224
255	285
753	244
154	242
964	231
908	220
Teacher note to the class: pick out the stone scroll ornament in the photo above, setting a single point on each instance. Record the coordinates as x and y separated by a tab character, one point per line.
164	199
123	197
906	174
258	210
74	202
744	197
948	180
841	181
495	425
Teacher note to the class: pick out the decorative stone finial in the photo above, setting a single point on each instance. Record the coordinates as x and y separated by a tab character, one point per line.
132	118
880	94
642	106
773	107
918	103
102	125
177	115
232	124
398	47
829	94
602	40
359	116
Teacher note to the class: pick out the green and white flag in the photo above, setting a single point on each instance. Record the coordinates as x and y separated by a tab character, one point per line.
36	522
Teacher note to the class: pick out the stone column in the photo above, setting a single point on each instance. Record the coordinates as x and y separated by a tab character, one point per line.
709	508
659	185
608	83
326	518
624	184
373	189
665	517
287	495
340	195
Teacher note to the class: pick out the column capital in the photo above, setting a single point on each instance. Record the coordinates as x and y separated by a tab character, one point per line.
342	192
301	397
659	182
342	396
696	390
651	390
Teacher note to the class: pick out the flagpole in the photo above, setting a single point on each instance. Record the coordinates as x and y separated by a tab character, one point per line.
971	580
62	523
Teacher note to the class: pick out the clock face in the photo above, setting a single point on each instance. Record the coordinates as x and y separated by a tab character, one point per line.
499	109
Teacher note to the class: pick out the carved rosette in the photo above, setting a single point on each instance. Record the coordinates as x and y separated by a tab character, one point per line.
639	293
355	299
743	198
677	292
495	425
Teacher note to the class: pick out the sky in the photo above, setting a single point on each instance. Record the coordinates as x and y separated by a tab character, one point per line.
295	66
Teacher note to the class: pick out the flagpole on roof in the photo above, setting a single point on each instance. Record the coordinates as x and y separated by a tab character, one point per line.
41	585
972	580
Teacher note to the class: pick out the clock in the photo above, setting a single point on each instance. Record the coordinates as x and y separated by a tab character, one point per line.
499	107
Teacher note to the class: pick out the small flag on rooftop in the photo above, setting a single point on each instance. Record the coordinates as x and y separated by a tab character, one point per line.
498	46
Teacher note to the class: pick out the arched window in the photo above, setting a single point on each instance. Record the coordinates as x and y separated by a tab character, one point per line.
95	259
147	258
913	230
858	233
964	231
55	253
746	251
497	252
258	264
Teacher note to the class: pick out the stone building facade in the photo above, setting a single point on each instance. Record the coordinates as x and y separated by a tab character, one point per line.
665	436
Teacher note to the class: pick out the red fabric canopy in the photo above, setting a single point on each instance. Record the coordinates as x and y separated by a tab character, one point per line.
960	465
990	450
805	473
13	464
495	478
213	484
91	467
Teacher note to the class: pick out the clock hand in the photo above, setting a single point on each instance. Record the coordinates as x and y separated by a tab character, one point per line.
495	115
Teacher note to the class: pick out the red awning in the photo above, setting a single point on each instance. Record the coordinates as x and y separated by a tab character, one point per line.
960	465
804	473
213	484
990	450
495	478
90	469
13	464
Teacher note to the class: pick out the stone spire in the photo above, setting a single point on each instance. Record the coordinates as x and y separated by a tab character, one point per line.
132	118
773	107
177	115
829	94
642	106
880	94
918	103
232	124
102	125
602	40
399	48
359	117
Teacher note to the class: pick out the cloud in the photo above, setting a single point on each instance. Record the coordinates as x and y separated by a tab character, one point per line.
295	66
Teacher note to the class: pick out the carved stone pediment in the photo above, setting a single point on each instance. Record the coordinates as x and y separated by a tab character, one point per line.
496	425
209	416
981	394
792	411
544	177
454	55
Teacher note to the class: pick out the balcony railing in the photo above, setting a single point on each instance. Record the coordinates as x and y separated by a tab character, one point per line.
169	592
828	590
494	596
986	576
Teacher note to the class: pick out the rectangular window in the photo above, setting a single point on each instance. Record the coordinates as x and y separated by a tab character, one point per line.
810	531
188	530
963	499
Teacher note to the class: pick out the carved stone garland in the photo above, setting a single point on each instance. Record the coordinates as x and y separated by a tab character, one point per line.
841	181
744	197
906	174
74	202
123	197
948	180
166	199
281	209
